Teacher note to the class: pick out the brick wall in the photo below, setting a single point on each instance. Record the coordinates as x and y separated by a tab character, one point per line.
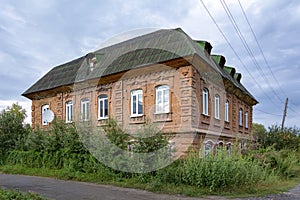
185	117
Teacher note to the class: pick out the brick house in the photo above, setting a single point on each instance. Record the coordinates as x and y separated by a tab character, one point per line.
163	76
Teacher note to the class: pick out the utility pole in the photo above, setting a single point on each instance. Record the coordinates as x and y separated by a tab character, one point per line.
284	112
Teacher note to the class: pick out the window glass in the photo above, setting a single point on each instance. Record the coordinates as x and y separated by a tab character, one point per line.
69	111
85	109
227	111
217	107
241	117
162	99
246	120
205	101
103	107
44	108
208	147
136	103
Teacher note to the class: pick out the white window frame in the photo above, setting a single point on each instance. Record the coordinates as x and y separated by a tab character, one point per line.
85	109
44	108
217	106
102	103
241	117
205	99
227	111
69	112
162	101
246	119
138	95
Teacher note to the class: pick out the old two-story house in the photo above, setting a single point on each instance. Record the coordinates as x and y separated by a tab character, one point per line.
164	76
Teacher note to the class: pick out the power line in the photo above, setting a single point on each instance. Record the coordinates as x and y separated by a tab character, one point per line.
263	55
259	47
246	45
234	51
268	112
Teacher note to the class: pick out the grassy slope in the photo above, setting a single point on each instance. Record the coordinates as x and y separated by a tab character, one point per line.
154	186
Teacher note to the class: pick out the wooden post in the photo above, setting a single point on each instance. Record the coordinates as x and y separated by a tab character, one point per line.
284	113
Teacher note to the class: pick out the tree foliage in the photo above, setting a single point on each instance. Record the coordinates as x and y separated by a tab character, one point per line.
13	131
286	138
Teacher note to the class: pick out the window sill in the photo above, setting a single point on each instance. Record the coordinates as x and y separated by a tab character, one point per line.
205	119
137	119
227	125
163	117
133	116
241	129
102	121
159	113
102	118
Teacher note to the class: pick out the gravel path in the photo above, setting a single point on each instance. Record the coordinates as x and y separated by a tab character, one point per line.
59	189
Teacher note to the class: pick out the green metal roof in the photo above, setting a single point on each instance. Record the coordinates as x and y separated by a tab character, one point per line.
216	58
229	70
155	47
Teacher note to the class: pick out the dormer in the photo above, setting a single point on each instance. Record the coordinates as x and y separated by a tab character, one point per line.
204	46
230	71
91	61
219	60
238	77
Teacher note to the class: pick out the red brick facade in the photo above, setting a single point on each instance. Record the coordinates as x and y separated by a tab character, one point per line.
185	117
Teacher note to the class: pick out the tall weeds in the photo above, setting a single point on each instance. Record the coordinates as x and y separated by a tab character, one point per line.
61	148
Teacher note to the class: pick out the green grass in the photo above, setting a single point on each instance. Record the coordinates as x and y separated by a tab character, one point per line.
154	185
12	195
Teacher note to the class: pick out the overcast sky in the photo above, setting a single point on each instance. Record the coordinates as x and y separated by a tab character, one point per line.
38	35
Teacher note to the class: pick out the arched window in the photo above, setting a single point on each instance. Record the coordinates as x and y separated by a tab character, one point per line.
162	104
241	117
227	111
246	119
85	109
228	147
208	148
220	146
44	108
103	106
217	107
205	101
69	111
136	103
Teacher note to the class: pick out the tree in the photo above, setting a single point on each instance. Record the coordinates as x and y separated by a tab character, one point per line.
286	138
13	131
259	133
